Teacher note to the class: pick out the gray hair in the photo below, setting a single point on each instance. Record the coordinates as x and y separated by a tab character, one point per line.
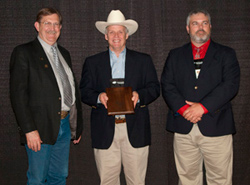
106	29
196	12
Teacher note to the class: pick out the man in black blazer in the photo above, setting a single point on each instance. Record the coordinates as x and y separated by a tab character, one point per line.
122	139
198	82
45	101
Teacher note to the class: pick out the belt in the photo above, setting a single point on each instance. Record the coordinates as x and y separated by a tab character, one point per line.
64	114
120	120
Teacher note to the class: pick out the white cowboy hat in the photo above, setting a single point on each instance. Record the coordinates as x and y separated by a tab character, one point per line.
117	18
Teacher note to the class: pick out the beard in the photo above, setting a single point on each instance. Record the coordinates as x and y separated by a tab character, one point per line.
200	39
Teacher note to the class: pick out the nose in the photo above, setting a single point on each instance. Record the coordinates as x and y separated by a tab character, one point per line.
201	26
52	27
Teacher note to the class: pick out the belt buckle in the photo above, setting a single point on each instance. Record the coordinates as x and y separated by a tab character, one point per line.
120	120
64	114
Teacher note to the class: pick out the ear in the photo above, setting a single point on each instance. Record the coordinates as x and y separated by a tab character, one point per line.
126	36
36	24
106	37
187	28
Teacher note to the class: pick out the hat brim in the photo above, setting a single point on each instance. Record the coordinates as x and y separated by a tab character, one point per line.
131	25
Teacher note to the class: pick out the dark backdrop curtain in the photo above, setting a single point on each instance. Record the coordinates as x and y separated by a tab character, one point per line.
161	28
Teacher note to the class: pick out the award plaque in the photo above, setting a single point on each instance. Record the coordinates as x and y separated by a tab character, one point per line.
120	100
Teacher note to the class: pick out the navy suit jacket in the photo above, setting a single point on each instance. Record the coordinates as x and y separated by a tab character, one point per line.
140	74
217	84
35	95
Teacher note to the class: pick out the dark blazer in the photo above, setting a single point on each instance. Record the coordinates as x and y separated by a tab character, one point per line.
140	74
35	96
217	84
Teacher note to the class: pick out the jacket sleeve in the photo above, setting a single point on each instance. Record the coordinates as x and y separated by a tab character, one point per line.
170	92
229	85
88	94
19	89
151	88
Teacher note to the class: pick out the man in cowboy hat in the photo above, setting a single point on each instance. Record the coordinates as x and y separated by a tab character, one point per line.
124	139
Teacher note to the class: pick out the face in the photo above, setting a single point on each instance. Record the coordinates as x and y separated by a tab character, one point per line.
199	29
116	36
49	28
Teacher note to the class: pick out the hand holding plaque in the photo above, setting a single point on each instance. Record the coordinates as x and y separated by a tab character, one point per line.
119	100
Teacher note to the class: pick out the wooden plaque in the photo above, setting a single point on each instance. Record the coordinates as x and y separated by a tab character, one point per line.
119	101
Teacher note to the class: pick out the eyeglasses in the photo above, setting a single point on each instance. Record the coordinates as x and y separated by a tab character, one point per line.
50	24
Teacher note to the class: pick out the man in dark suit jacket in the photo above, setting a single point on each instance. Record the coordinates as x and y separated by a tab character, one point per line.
198	82
122	139
38	96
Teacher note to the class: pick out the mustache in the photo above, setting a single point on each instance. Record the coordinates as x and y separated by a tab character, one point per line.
200	30
51	32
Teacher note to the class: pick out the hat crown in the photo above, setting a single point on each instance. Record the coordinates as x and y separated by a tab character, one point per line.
115	16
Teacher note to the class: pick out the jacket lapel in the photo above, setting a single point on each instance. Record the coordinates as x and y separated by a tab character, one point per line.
43	61
189	61
208	58
105	69
129	67
65	56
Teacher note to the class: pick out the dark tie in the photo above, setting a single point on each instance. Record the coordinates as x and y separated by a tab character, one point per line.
64	78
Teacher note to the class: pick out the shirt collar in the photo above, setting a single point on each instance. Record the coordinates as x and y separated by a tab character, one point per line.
111	53
204	46
45	45
202	49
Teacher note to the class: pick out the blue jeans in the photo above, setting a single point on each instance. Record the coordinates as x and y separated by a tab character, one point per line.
50	164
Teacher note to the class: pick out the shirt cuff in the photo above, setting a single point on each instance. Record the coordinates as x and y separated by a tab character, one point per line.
204	108
98	100
182	109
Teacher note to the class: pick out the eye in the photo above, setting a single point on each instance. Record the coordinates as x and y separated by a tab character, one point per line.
194	23
47	23
56	24
205	23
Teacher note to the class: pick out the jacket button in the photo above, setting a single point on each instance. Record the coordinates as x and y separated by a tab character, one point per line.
195	87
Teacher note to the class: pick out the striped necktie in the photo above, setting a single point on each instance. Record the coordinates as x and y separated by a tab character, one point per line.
197	55
64	78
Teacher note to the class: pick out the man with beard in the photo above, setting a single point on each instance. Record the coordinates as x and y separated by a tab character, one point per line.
45	101
198	82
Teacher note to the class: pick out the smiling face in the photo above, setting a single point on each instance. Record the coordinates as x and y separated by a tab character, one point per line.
49	28
199	29
116	35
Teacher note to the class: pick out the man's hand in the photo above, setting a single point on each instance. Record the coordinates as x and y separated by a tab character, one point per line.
77	141
33	140
103	99
194	112
135	97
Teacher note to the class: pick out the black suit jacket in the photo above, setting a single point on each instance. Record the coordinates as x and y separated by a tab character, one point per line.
217	84
35	95
140	74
